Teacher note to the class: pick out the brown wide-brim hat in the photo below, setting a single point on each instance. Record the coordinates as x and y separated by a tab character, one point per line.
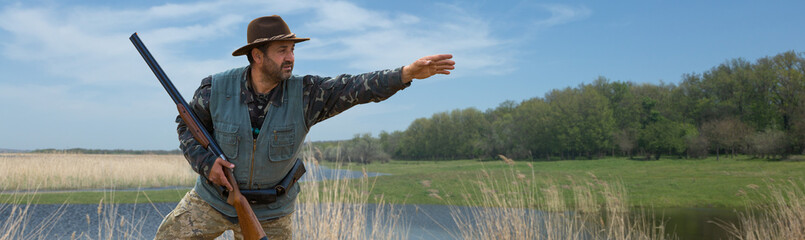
266	29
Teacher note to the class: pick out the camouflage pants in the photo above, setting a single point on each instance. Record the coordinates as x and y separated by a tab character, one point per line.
193	218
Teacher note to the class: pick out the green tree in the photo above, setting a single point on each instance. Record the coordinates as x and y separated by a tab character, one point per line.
584	122
534	128
416	140
390	142
363	148
497	139
666	136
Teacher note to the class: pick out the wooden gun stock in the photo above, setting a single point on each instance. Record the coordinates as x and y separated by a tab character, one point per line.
249	224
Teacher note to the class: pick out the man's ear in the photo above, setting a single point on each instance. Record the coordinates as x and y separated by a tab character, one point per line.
257	56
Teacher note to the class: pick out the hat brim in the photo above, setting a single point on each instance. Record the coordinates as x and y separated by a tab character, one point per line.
245	49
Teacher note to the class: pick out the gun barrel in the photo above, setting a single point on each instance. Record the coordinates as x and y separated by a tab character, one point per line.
188	116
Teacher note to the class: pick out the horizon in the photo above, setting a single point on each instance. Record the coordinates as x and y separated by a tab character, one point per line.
73	79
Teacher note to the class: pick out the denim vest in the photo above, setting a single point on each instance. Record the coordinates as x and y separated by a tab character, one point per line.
259	163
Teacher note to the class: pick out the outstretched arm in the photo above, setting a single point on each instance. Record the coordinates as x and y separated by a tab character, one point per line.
327	97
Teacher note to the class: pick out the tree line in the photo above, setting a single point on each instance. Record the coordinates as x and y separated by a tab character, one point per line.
737	107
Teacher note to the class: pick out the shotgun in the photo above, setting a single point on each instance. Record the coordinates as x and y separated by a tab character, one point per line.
249	225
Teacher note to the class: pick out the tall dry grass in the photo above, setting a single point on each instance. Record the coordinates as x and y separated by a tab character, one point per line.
525	206
113	225
107	223
17	224
779	214
338	209
53	171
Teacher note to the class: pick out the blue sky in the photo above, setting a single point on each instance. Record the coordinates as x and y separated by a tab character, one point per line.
71	78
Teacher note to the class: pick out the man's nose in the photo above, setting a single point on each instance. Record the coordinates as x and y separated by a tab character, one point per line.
289	57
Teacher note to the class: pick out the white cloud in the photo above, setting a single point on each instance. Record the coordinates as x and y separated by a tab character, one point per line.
179	35
380	40
172	10
339	16
561	14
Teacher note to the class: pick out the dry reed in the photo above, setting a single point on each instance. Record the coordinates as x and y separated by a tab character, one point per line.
520	207
779	214
16	224
110	224
338	209
91	171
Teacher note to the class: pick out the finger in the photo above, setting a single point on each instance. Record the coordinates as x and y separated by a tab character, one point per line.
444	62
450	67
224	163
439	57
227	185
443	72
220	179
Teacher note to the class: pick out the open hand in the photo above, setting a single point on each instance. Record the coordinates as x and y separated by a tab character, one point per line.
428	66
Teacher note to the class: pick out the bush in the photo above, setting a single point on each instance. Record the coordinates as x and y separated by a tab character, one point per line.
697	147
767	144
361	149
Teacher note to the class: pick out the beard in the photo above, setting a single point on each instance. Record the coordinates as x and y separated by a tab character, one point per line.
275	70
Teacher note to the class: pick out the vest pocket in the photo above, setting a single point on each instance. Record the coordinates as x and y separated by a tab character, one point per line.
282	143
227	137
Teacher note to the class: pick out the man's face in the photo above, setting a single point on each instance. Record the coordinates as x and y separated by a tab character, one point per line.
279	60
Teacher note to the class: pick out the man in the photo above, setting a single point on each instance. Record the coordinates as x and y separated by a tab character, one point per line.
259	115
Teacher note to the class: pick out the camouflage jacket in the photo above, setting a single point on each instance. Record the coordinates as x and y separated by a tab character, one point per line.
324	97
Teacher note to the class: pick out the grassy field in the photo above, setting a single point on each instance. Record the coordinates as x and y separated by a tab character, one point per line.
659	184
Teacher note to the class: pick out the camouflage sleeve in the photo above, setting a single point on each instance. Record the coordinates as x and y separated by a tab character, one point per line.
327	97
199	158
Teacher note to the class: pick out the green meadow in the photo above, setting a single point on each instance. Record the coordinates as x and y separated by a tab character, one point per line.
664	183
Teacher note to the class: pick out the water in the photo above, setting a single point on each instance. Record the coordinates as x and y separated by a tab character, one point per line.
697	223
317	173
431	222
420	221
